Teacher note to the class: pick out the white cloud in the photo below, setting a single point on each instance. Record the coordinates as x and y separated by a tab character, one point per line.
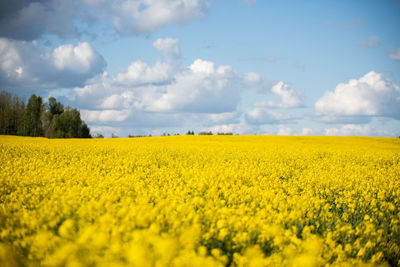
252	77
112	102
139	73
202	67
106	115
81	58
201	97
145	16
200	88
263	116
349	130
25	65
168	47
395	55
93	93
371	42
118	101
289	98
283	130
218	118
306	131
202	93
360	130
371	95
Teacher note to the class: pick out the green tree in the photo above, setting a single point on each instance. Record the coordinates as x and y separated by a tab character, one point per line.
99	135
69	125
53	108
12	109
85	131
31	124
36	119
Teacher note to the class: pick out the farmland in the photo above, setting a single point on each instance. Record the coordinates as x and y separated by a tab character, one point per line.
200	201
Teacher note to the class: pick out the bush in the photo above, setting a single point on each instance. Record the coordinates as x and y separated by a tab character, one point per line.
206	133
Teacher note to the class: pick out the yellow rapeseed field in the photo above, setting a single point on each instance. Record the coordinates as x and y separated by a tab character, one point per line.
200	201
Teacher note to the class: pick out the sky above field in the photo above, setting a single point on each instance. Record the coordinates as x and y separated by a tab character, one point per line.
138	67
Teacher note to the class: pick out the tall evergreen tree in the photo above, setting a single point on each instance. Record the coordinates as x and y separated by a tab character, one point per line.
31	124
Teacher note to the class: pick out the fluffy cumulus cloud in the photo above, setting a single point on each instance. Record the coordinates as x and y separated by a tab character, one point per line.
105	115
289	98
140	73
117	101
168	47
240	127
80	59
94	92
395	55
360	99
264	116
202	96
306	131
200	88
350	130
225	117
25	65
284	130
28	20
135	16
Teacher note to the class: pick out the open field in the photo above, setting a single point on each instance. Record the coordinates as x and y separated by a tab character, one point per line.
200	201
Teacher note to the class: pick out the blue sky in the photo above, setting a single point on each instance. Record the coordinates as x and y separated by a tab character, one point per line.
248	67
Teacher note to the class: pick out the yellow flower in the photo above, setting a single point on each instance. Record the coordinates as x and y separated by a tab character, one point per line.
199	201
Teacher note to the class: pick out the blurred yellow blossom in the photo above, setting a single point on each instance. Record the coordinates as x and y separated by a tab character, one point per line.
200	201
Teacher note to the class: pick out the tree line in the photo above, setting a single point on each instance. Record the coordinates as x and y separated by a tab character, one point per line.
37	118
